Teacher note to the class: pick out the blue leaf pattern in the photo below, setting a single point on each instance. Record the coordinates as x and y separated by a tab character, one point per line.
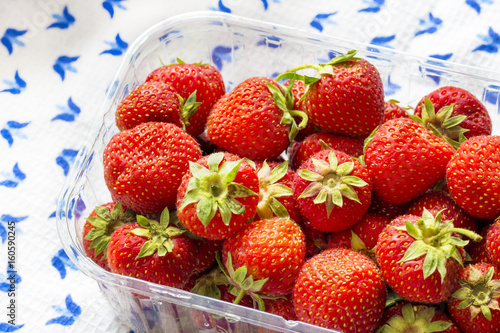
320	19
66	159
373	6
4	220
5	327
63	64
14	178
10	276
11	130
110	5
16	86
11	38
492	41
68	315
118	47
476	5
69	112
429	25
60	261
62	21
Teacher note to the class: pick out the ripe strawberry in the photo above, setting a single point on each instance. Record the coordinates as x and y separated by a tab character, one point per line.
472	176
362	236
474	307
315	240
153	101
393	110
407	317
340	289
435	201
143	166
405	160
301	151
298	90
98	227
493	242
264	257
444	104
345	97
254	120
332	190
420	258
377	206
152	251
203	80
275	191
218	195
478	251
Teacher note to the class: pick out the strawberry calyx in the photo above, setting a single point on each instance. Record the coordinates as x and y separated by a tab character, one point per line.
214	189
188	108
479	293
105	223
330	182
208	284
241	283
158	233
270	189
414	319
284	102
442	124
435	239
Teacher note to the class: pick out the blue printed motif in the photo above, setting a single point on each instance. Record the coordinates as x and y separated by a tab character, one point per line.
4	220
321	19
10	37
68	112
434	74
373	6
270	41
62	21
60	261
429	25
10	277
110	5
11	130
16	86
63	64
221	53
476	4
5	327
221	7
66	159
383	41
14	178
68	314
492	41
118	47
391	88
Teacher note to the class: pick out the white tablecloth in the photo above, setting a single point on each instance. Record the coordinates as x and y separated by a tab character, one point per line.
57	59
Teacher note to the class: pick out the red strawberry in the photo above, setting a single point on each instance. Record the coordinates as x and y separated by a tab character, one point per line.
472	176
405	160
332	190
301	151
275	191
340	289
392	110
474	307
152	101
406	317
202	80
377	206
444	104
100	225
478	251
143	166
253	120
315	240
493	242
298	90
345	97
436	201
420	258
268	253
153	251
218	195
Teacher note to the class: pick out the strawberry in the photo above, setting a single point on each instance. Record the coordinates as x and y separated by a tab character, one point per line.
332	190
254	120
478	251
346	96
153	101
435	201
98	228
474	307
315	240
298	90
340	289
301	151
405	160
144	166
152	251
199	83
472	176
407	317
454	111
218	195
493	242
377	206
275	192
393	110
264	257
420	257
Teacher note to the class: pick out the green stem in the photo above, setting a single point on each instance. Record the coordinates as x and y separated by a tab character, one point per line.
298	68
302	115
239	297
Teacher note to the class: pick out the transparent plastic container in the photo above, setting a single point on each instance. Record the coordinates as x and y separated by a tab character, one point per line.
240	48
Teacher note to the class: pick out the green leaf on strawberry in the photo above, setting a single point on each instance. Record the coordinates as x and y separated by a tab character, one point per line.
188	108
415	319
270	189
331	182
